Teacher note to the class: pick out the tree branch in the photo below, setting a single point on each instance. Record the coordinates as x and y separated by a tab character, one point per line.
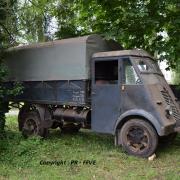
7	31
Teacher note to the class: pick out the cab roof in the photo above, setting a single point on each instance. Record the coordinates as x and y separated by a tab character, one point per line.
134	52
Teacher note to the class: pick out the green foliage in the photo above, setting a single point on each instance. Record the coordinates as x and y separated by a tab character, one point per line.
149	24
8	23
34	17
7	38
152	25
176	79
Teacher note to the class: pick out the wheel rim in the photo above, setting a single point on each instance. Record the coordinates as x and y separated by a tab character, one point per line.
30	127
137	139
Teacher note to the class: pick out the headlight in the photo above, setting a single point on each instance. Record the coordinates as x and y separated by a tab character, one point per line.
169	111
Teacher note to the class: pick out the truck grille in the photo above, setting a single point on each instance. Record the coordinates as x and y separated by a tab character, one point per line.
170	102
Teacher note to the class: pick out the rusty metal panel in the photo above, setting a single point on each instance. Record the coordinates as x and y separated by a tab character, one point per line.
67	59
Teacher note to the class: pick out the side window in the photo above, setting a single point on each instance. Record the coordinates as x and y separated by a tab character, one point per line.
106	72
142	66
130	76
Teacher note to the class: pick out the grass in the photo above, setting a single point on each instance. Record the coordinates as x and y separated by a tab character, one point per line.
20	158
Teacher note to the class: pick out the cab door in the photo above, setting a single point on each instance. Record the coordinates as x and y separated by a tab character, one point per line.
106	94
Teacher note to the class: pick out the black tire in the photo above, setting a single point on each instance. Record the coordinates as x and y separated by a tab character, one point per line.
168	139
138	138
22	115
2	122
31	125
2	125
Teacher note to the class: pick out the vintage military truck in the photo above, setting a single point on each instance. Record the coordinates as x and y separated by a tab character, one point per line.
88	82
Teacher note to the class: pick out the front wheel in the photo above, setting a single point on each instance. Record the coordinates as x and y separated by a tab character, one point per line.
139	138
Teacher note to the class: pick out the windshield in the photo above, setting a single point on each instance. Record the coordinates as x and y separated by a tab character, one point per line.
149	69
147	65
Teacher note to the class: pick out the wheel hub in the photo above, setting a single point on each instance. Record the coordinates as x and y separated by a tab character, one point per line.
137	139
30	127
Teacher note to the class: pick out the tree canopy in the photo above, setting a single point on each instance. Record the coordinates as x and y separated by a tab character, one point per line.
152	25
8	31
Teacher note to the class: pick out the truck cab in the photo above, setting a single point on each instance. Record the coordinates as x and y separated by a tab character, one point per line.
131	99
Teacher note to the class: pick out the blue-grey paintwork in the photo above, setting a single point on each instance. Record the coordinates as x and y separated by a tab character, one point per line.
73	93
111	105
105	107
139	113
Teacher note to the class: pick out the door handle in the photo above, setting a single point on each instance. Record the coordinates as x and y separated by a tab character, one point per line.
122	87
93	93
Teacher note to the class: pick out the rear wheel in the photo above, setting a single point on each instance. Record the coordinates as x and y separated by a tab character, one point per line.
22	115
138	138
31	125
